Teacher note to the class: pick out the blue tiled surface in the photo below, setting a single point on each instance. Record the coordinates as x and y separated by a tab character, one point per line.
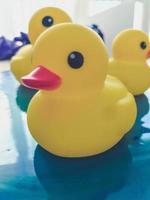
29	172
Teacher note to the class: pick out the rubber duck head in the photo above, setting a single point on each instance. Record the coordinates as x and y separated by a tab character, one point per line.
70	57
44	19
131	45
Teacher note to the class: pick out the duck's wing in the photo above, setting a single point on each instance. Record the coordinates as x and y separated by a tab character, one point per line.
21	63
121	103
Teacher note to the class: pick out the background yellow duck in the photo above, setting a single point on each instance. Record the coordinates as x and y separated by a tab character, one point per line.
130	50
43	19
79	111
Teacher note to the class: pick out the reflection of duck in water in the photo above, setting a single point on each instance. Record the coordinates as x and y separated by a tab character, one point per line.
91	178
24	96
138	128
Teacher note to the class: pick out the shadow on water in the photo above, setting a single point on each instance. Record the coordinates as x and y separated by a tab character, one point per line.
24	96
138	129
90	178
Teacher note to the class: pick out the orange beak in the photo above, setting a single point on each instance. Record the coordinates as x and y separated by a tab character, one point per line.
148	54
42	79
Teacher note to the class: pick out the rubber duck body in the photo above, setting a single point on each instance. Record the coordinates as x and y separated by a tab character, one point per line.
79	110
130	51
21	63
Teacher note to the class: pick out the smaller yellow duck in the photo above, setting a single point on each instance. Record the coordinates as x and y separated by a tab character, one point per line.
79	110
130	51
43	19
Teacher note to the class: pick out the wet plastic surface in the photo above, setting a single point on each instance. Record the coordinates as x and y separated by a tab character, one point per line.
29	172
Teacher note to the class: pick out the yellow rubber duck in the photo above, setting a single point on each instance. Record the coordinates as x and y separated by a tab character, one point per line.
79	110
130	50
42	20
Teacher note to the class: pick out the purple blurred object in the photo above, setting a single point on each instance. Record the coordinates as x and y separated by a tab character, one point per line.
97	30
8	48
23	38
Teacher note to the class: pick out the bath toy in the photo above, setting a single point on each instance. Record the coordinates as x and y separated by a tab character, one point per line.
130	51
79	110
97	30
43	19
9	48
23	39
6	47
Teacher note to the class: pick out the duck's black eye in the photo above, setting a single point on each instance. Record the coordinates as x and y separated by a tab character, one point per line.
75	59
143	45
47	21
